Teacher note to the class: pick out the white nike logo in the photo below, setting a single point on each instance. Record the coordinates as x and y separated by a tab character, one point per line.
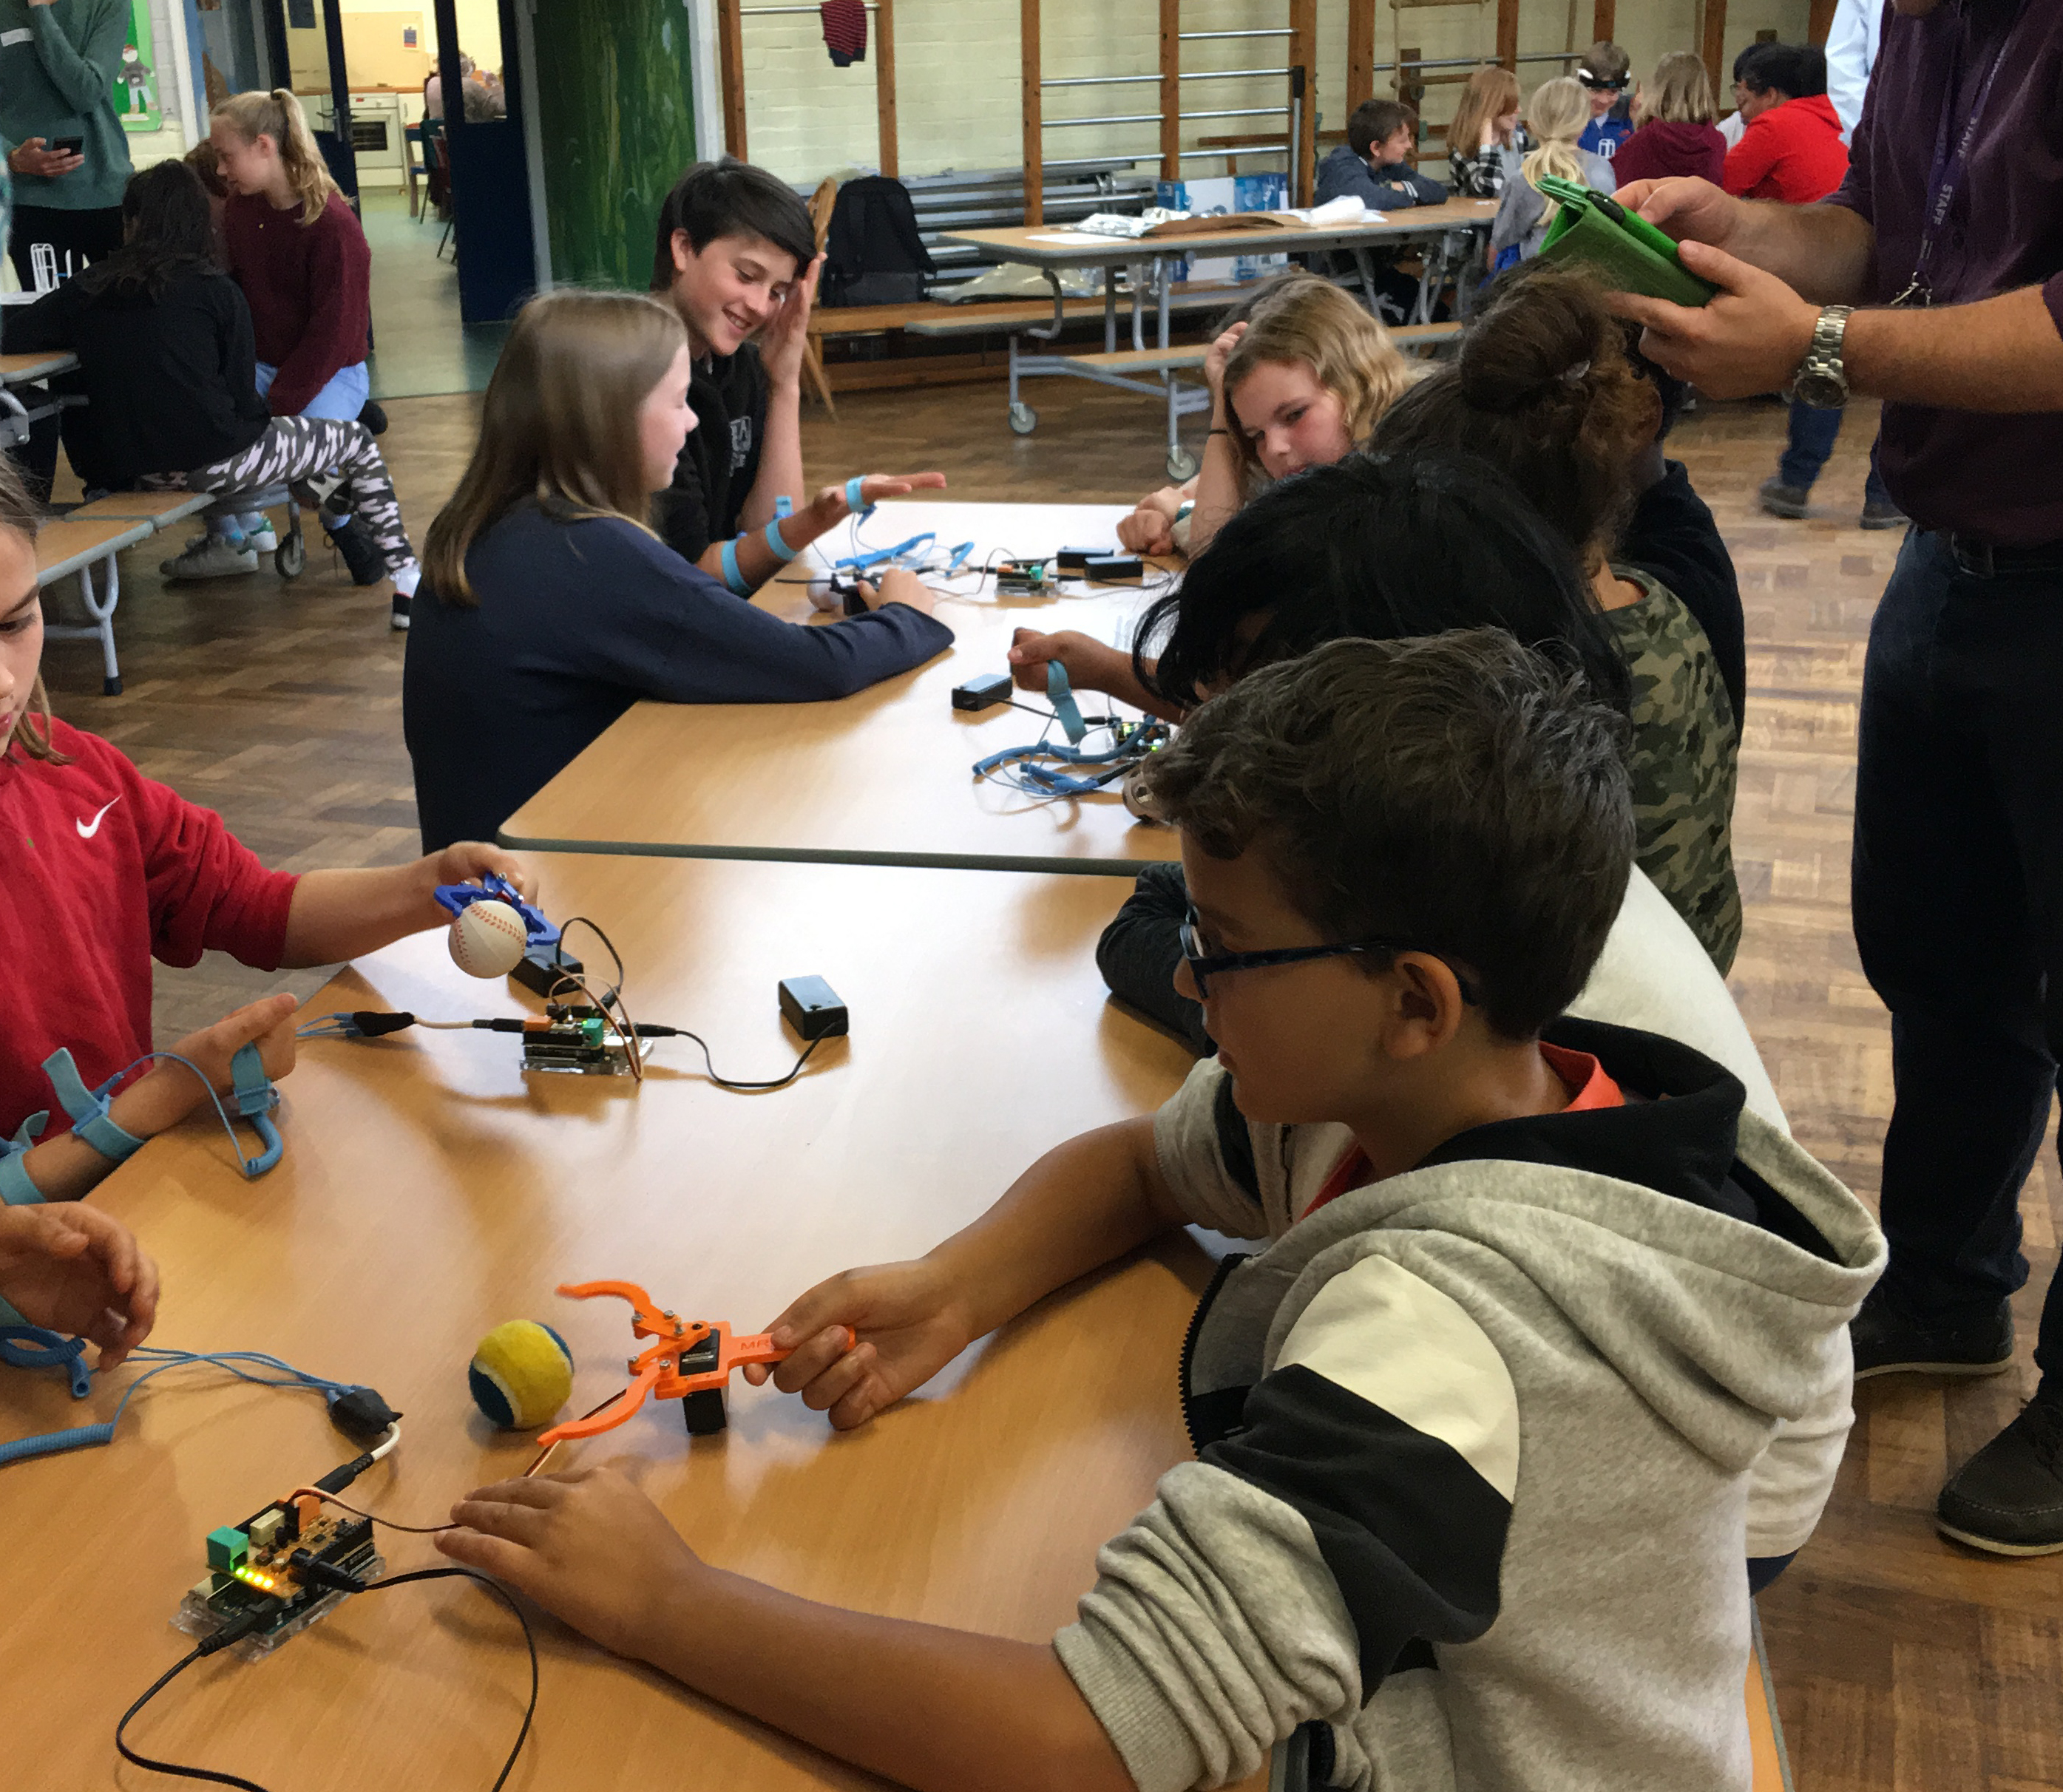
88	830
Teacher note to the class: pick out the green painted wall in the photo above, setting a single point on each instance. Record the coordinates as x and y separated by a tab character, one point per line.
618	106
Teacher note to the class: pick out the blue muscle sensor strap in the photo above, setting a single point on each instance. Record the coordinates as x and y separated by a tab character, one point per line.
88	1108
1060	693
959	558
733	579
1045	780
855	496
255	1099
784	506
16	1189
782	551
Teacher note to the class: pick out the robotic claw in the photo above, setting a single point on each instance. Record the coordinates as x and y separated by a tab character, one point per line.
691	1362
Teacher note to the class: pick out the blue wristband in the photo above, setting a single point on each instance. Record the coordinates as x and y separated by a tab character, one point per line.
88	1109
781	548
16	1190
733	580
855	499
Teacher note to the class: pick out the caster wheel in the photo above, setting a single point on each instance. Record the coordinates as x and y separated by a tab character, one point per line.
1181	464
290	559
1023	419
704	1412
110	687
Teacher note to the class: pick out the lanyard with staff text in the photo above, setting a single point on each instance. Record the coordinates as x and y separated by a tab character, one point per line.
1946	174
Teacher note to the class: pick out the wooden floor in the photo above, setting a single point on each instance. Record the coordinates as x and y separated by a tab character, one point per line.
1901	1662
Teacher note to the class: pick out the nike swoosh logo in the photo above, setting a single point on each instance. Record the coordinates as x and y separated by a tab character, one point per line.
88	830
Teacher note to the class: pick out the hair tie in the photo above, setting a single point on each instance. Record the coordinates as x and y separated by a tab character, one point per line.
1573	376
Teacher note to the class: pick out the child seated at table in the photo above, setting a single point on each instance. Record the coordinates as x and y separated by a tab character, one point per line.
551	606
106	869
1374	165
168	365
1556	116
1545	1333
1298	377
1543	388
736	257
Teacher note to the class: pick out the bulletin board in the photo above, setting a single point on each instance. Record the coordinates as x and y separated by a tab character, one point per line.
136	81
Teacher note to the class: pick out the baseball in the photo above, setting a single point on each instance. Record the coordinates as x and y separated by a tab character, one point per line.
488	938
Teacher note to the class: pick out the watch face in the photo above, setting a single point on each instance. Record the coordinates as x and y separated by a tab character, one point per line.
1824	392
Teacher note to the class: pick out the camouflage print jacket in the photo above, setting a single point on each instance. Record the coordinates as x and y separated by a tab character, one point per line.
1685	745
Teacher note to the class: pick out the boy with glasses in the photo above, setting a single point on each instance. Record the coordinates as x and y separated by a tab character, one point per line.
1548	1334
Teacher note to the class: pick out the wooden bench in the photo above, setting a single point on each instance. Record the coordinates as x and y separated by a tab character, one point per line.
935	318
91	535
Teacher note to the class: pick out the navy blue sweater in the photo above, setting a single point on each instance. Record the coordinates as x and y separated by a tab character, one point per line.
1390	188
577	621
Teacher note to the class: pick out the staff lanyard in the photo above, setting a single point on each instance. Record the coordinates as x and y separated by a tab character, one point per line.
1946	174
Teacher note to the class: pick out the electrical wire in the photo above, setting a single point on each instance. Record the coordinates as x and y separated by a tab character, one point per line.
237	1632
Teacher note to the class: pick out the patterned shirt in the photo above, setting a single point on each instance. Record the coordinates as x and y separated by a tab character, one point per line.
1685	747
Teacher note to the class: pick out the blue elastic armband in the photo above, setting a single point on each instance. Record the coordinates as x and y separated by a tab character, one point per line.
855	497
733	580
88	1108
1060	693
255	1099
16	1190
781	548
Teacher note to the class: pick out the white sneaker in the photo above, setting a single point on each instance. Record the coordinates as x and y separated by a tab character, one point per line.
212	559
265	540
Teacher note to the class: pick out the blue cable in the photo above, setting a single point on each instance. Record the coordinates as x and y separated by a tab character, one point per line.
34	1346
255	1104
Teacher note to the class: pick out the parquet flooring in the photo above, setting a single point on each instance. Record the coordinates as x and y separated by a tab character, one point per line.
1901	1662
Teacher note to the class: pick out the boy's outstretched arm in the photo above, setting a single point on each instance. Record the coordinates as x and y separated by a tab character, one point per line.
340	914
1081	1206
926	1707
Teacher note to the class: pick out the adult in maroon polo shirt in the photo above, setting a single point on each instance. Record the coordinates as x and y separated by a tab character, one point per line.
1948	231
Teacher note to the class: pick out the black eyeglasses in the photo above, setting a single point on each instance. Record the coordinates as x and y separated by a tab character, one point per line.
1205	966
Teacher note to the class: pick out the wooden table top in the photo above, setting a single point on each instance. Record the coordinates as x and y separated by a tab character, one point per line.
1032	243
884	778
35	365
429	1191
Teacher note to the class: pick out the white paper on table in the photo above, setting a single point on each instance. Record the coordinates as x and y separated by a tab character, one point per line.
1345	210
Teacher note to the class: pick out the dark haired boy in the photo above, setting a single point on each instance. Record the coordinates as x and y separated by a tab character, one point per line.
1605	72
1374	164
1477	1428
737	255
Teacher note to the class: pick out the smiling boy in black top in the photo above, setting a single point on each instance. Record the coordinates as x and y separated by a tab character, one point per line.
736	257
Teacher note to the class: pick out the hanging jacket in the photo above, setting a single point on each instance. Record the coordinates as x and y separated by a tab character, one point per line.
873	254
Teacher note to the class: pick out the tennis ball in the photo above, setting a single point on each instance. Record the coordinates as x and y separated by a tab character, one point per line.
488	938
521	1374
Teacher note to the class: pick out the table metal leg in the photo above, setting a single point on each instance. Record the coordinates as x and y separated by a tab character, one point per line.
1110	311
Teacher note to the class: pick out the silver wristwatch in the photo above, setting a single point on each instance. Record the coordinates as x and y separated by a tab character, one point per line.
1821	381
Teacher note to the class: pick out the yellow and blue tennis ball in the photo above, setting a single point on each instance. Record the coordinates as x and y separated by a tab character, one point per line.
521	1374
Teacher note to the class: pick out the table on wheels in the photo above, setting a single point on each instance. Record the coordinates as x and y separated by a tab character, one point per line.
429	1191
884	778
1149	262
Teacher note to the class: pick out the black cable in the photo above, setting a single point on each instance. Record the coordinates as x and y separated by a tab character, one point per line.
648	1031
243	1626
529	1642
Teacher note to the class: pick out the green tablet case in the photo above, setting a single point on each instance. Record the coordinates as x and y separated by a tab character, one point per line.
1629	254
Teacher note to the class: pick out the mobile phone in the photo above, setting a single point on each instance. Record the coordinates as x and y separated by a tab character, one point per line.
68	145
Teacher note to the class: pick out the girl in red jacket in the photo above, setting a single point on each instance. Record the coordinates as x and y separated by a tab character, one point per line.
1674	131
294	246
106	869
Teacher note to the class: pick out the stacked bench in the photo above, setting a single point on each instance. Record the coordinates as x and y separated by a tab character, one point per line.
72	545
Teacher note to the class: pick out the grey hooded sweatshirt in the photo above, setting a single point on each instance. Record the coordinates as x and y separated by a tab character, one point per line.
1476	1445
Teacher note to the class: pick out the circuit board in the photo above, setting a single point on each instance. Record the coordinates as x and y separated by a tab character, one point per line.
250	1569
589	1046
